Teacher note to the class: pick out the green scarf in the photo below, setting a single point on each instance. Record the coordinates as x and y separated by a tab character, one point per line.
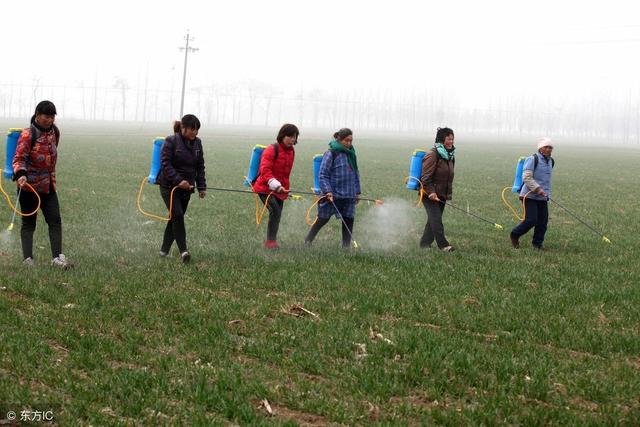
351	153
447	155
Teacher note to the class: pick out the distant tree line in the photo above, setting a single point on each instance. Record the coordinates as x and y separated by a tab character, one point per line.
605	116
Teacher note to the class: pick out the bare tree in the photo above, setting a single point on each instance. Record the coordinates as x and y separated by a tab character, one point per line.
121	84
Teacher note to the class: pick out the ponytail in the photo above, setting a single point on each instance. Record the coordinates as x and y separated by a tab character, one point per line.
188	121
342	134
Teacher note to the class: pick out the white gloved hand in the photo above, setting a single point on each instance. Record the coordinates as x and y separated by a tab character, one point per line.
274	184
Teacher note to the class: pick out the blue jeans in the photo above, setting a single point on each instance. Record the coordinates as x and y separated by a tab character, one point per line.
536	215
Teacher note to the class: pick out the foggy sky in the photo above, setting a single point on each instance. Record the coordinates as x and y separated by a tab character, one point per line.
477	49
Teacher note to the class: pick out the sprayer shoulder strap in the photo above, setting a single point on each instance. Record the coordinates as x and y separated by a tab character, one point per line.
276	150
535	161
333	156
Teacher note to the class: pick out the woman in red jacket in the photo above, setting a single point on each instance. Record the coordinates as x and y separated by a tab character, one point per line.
35	163
273	178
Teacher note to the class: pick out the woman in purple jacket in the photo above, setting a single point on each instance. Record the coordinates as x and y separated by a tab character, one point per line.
182	166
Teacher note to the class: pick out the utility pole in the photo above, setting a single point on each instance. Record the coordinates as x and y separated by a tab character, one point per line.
186	49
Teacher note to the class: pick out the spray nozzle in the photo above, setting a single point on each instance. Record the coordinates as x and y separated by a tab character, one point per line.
606	239
497	226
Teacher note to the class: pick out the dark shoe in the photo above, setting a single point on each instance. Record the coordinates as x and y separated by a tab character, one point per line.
186	257
540	248
514	241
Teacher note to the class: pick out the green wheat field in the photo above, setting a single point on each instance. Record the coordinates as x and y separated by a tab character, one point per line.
386	335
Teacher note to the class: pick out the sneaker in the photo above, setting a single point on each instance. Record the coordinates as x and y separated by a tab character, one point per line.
186	257
61	261
448	249
539	248
163	254
271	244
514	241
29	262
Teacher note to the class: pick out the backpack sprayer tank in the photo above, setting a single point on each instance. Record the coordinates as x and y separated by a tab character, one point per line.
154	171
254	164
12	144
317	161
415	170
517	180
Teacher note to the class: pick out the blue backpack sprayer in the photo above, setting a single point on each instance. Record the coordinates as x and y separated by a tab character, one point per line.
12	144
152	178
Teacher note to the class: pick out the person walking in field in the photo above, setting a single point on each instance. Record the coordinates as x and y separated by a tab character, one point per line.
340	186
181	166
437	184
535	194
34	163
272	184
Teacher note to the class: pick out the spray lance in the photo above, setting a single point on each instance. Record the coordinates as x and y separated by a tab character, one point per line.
413	182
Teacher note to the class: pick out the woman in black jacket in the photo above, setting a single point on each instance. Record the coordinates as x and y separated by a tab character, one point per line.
182	166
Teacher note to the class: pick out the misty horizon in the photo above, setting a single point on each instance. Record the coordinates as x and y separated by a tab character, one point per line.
494	68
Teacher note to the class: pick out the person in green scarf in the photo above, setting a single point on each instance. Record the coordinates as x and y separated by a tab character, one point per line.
340	186
437	185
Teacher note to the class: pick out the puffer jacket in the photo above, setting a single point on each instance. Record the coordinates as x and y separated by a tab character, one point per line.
182	160
278	168
38	161
437	175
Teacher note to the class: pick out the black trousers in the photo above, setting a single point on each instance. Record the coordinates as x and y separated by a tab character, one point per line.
275	207
347	230
175	227
51	210
536	215
434	229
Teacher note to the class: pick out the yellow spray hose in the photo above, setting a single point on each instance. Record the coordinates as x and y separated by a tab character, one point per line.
150	215
13	207
309	221
512	209
260	212
421	192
